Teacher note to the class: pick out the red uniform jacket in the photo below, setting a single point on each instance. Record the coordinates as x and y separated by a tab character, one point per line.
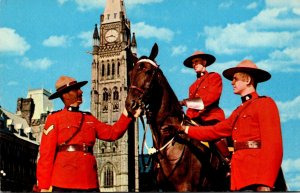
76	170
258	121
209	88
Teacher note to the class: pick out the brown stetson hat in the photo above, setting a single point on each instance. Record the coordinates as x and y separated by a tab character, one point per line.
210	59
249	67
65	83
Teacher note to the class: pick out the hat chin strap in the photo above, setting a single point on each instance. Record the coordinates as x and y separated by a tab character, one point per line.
69	103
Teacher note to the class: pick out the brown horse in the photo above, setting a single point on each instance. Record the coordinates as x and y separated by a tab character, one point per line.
180	163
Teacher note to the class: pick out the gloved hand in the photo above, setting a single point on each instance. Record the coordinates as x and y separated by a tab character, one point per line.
36	188
183	102
136	114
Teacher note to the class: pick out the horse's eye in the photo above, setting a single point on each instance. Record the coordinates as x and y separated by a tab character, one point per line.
141	66
148	71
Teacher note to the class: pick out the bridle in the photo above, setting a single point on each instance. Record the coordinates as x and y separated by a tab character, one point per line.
145	106
142	103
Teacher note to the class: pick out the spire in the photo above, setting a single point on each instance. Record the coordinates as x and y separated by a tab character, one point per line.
96	34
133	42
134	45
96	40
114	11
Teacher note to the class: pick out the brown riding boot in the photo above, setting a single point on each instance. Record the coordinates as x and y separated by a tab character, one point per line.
224	153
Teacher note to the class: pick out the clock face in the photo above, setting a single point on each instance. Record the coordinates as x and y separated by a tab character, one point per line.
111	35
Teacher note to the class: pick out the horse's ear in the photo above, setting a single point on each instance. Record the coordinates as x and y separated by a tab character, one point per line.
154	52
132	57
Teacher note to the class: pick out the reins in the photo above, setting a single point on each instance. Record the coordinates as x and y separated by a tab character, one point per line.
152	150
145	107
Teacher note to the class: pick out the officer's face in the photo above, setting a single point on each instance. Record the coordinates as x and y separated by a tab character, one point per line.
239	83
199	64
73	97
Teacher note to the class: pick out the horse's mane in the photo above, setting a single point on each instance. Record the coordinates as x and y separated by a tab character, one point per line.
175	107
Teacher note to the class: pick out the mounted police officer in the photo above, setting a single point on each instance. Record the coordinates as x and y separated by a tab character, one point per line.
255	129
66	161
203	102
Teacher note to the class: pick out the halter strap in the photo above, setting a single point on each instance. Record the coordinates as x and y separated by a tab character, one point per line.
137	88
149	61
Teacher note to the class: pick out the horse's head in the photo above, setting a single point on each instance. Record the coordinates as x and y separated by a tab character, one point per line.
141	80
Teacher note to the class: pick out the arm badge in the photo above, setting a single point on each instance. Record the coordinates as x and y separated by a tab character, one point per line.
47	131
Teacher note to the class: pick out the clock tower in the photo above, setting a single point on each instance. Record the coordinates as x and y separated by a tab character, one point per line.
117	161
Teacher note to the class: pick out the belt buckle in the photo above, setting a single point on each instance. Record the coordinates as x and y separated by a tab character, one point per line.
252	144
84	148
71	148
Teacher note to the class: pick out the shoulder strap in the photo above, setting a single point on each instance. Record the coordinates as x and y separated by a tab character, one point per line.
75	133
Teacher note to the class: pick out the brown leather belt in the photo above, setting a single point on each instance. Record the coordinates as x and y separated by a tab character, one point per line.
254	144
76	147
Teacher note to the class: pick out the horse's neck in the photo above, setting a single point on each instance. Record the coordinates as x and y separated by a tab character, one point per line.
168	109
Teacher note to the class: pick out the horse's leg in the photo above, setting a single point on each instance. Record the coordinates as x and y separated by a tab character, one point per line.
184	187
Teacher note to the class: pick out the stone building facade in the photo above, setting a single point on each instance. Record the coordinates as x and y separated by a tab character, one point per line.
20	135
117	161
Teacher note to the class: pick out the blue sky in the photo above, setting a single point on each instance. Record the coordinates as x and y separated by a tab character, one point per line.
41	40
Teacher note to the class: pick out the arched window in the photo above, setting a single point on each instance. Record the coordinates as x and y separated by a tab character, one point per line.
108	69
113	69
108	176
105	94
95	96
118	70
115	93
103	70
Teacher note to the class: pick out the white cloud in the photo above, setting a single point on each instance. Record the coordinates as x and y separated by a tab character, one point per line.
275	30
289	58
225	5
291	168
147	31
291	165
282	3
39	64
252	5
86	39
276	18
220	67
11	42
143	2
296	11
12	83
236	38
178	50
61	2
87	5
294	183
187	71
57	41
289	110
275	27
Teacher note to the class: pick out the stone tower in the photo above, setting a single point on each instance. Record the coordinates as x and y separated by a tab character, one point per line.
117	161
